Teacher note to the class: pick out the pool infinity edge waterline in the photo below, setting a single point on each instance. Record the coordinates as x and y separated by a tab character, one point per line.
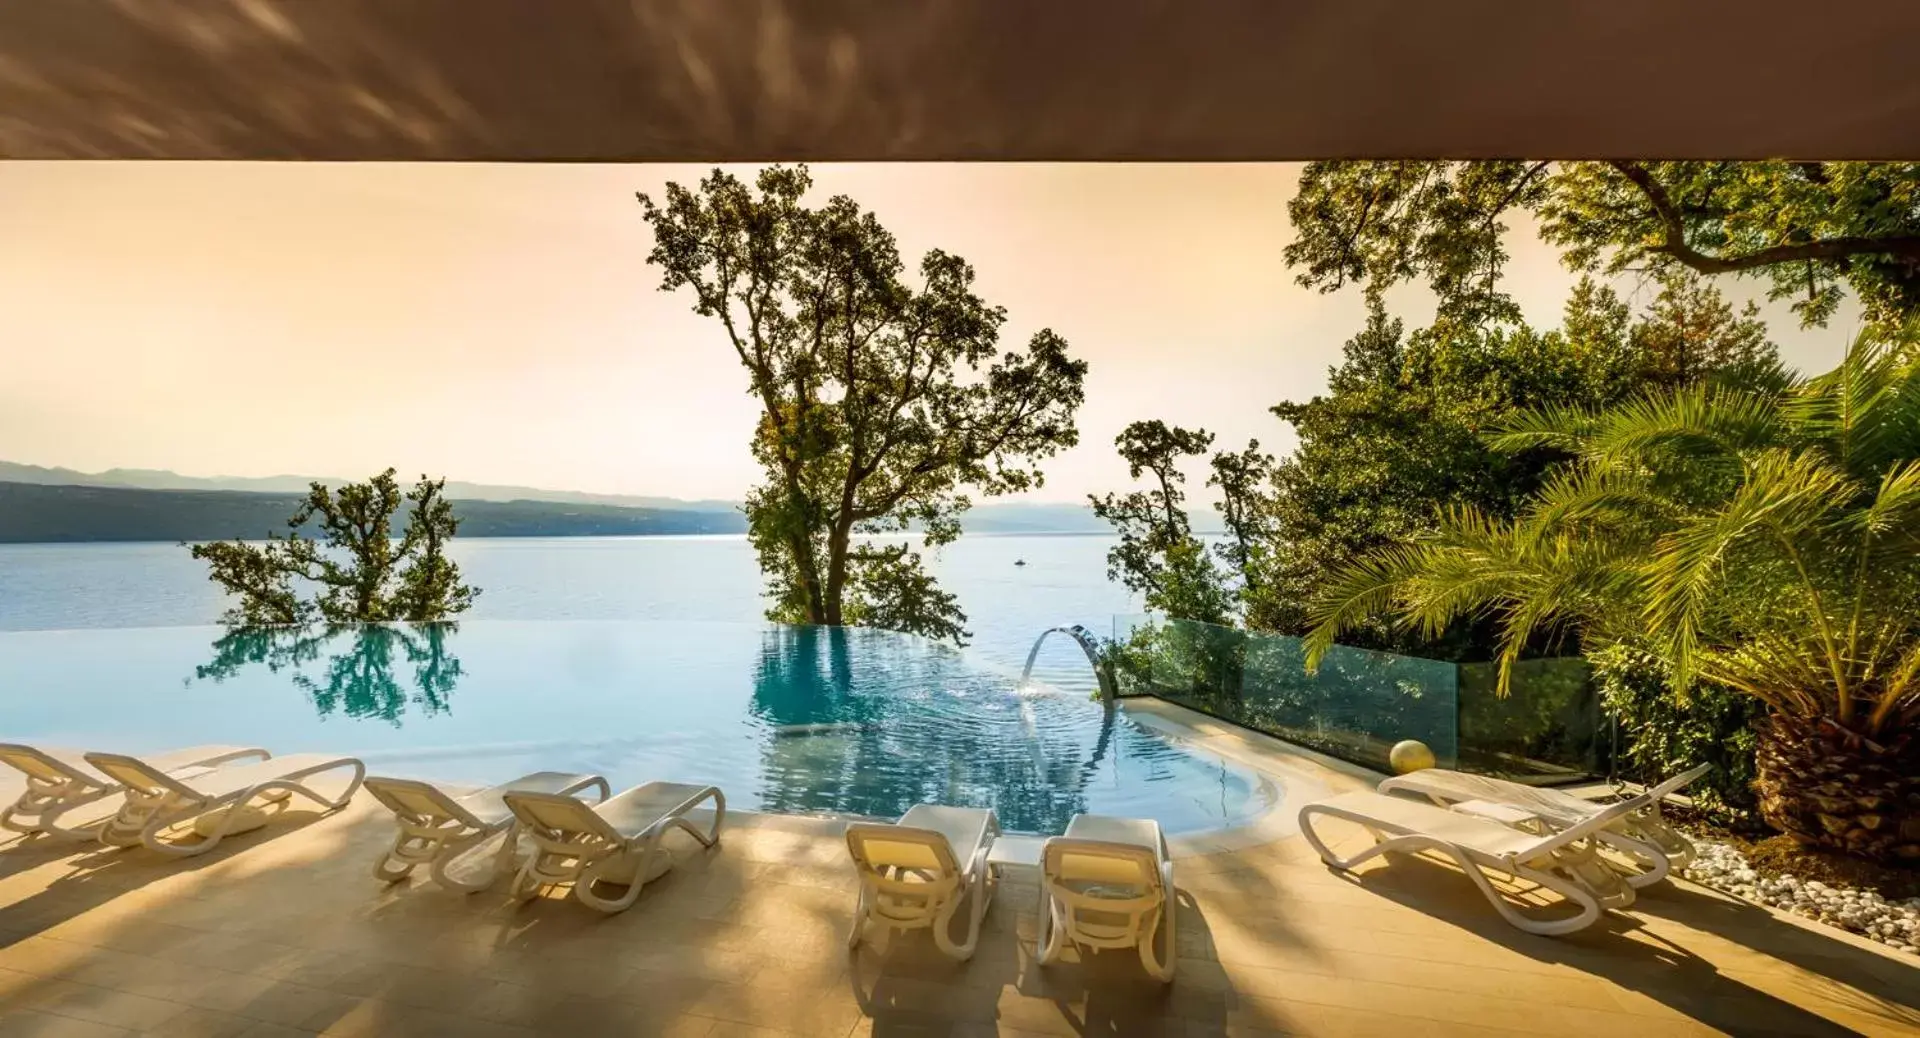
791	720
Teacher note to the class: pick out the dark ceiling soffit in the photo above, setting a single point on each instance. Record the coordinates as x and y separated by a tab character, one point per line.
752	80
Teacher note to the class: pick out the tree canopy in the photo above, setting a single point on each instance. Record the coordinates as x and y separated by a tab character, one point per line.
1811	230
1400	435
883	403
362	573
1157	556
1767	542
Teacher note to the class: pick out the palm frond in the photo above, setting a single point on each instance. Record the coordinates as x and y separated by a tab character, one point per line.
1785	493
1561	426
1896	504
1588	498
1866	412
1362	589
1901	693
1699	423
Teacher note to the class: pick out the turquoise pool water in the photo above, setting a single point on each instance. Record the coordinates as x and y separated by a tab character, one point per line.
802	720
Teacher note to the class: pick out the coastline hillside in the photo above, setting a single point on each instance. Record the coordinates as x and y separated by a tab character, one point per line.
32	512
36	512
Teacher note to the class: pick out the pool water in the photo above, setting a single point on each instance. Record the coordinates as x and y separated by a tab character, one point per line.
788	719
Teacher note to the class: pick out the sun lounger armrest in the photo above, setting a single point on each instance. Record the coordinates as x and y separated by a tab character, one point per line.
595	782
1677	783
1589	827
255	752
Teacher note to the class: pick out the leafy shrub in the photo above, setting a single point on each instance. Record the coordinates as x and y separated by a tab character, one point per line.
1662	734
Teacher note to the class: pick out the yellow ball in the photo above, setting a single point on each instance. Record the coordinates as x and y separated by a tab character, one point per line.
1410	755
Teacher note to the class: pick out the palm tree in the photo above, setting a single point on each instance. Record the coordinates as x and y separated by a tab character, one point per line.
1768	542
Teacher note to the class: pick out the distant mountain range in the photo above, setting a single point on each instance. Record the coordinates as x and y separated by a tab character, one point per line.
39	504
32	512
161	479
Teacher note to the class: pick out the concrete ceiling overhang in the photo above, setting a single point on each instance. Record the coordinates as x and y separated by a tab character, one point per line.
747	80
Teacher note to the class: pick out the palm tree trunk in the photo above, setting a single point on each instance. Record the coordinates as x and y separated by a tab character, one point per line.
1833	788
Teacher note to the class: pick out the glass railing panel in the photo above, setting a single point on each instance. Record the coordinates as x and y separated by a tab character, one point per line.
1355	706
1547	728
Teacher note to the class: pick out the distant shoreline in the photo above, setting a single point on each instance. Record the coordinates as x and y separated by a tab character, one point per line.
70	542
60	513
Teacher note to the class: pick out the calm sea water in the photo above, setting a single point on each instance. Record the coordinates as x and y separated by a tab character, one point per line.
71	586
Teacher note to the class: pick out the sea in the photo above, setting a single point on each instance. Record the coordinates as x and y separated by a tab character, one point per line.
1013	587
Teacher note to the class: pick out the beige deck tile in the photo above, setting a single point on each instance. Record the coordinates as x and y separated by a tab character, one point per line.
263	1029
296	1005
30	1023
202	1023
828	1012
100	1005
284	932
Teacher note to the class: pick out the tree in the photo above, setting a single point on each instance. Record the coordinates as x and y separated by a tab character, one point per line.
1246	507
883	404
1400	436
1811	229
1764	542
363	574
1158	557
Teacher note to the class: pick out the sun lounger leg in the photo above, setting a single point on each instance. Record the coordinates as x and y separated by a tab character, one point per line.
1589	908
454	849
1655	865
712	836
413	846
1053	930
543	868
165	815
641	861
46	813
127	826
980	889
862	905
1161	967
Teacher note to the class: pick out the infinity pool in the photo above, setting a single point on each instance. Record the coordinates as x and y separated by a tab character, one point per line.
789	719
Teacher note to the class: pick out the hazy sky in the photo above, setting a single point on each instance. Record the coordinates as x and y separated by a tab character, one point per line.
499	323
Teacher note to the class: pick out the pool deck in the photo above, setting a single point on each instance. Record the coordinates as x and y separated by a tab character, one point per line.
285	932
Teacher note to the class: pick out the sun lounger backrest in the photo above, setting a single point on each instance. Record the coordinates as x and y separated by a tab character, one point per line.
879	847
899	847
1586	828
912	872
1097	862
1677	783
417	801
561	818
1109	890
36	764
136	774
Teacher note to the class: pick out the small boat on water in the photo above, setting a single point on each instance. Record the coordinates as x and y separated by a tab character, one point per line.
1019	562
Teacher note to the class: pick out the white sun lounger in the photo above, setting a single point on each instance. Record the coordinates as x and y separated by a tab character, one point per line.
614	842
914	873
218	802
436	828
1564	862
60	780
1108	883
1642	834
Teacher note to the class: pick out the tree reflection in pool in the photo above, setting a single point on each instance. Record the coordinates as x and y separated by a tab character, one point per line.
359	677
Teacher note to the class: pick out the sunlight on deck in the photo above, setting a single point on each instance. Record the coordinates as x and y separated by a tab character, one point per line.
284	931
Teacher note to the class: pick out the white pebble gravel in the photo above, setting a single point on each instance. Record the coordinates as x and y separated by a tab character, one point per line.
1895	923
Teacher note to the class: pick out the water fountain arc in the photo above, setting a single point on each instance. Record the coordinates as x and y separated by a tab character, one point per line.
1083	638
